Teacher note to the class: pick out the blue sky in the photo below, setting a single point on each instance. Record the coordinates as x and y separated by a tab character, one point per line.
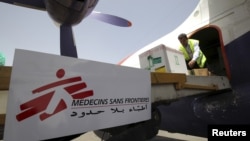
34	30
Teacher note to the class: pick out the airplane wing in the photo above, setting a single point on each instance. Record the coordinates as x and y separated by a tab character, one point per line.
35	4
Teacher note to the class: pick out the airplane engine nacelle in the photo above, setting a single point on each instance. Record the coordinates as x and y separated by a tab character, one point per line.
69	12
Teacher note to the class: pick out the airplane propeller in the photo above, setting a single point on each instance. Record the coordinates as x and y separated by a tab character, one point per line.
111	19
67	44
68	13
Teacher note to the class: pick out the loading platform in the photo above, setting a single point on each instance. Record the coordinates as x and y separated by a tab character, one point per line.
166	87
173	86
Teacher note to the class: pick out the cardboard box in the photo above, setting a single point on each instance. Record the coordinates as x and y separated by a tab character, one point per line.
163	59
201	72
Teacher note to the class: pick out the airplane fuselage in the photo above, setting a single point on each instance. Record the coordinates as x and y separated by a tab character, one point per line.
224	34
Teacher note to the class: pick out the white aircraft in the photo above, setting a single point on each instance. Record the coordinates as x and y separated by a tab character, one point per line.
222	27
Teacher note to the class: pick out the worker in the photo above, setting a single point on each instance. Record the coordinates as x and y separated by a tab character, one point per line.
192	53
2	59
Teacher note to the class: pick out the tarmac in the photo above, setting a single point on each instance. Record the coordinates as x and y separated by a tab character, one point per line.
162	136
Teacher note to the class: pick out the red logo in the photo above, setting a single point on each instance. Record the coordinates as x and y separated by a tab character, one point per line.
40	104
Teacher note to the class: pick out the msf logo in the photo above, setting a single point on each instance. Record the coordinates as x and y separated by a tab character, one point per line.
42	104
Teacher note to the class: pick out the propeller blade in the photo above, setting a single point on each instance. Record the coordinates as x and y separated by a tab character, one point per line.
111	19
67	44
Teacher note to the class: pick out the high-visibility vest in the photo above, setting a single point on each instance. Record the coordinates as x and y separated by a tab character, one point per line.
201	60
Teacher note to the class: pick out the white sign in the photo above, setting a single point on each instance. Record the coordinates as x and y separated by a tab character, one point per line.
52	96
